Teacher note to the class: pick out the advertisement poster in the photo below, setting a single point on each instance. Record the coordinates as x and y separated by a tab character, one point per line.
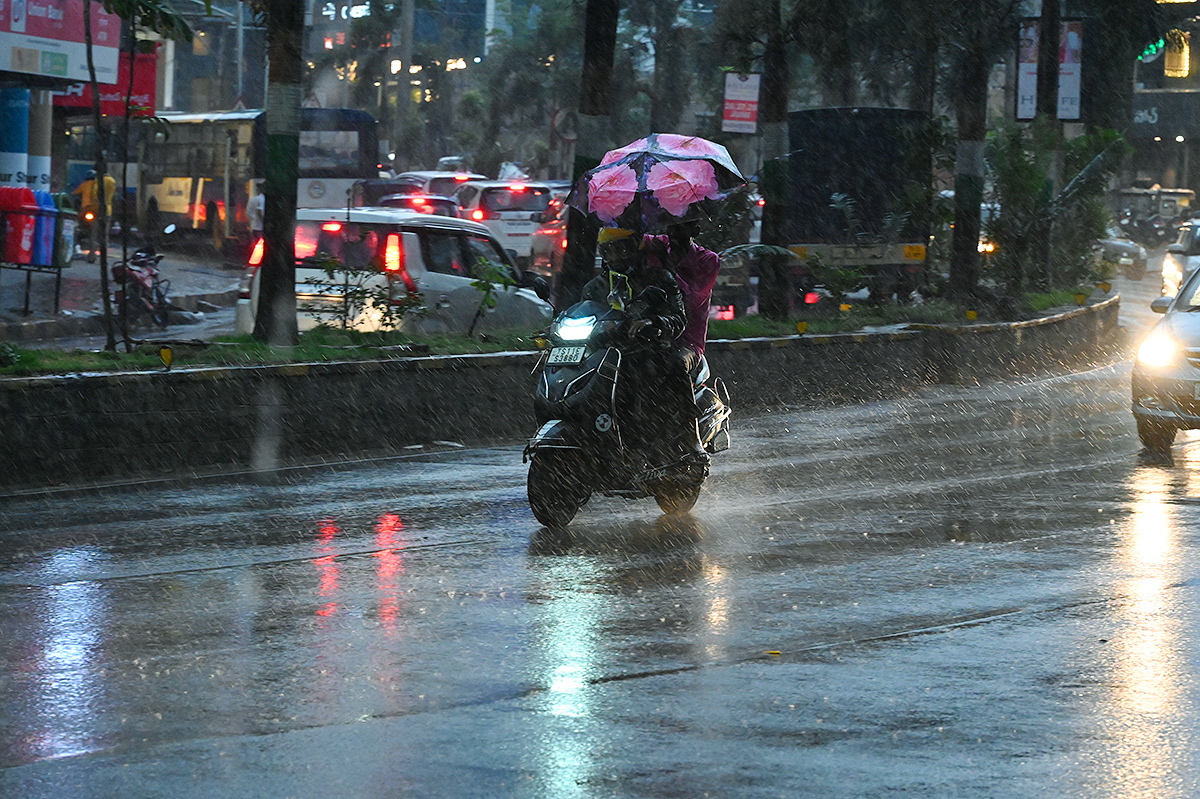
1070	69
112	95
741	103
45	37
1027	68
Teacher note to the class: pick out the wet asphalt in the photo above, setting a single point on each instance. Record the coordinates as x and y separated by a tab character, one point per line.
962	592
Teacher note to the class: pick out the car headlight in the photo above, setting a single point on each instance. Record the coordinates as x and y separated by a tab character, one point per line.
577	328
1158	350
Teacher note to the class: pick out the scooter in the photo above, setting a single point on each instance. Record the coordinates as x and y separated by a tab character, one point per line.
592	436
141	291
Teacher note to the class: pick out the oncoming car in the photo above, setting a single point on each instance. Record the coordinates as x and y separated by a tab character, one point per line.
1166	371
392	253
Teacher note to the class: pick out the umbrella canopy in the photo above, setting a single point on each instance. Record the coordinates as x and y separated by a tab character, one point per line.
657	181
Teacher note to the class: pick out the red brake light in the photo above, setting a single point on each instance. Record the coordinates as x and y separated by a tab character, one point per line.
478	215
761	201
393	260
563	244
419	201
811	298
332	227
256	254
392	254
461	178
516	187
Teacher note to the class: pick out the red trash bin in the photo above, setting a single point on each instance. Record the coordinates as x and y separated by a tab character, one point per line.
20	211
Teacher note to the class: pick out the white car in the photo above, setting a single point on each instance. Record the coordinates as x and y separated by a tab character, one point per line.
1181	258
392	253
436	181
513	210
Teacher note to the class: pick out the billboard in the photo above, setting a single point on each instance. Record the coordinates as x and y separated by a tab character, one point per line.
45	37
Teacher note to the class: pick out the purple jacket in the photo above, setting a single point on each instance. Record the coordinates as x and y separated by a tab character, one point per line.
696	275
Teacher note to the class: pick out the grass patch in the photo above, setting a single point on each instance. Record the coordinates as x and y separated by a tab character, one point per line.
329	344
1036	303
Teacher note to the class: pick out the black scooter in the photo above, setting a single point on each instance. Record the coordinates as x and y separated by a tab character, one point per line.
593	437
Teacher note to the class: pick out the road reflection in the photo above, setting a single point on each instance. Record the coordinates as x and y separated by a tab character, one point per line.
68	639
1145	715
587	587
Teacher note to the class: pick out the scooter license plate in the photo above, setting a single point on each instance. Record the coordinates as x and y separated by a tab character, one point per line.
565	356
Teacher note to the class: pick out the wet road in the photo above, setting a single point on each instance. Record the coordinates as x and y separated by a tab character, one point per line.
965	592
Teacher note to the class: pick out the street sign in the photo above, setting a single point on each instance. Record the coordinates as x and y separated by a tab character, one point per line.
741	103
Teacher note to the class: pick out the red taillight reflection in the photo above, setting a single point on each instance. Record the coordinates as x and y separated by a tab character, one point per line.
811	298
256	255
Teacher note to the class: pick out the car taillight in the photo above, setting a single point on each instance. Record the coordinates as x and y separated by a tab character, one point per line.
256	254
393	261
332	227
479	214
563	243
518	187
811	298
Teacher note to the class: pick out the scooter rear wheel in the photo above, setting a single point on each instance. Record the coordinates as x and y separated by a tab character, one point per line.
556	487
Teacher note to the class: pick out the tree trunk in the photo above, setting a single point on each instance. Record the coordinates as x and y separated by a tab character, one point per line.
100	224
595	107
971	112
276	319
774	281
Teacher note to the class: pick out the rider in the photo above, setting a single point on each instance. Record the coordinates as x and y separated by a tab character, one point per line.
663	311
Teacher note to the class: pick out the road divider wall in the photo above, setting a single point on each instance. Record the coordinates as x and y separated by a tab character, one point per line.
100	427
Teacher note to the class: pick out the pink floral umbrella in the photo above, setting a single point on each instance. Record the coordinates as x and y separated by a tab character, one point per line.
656	181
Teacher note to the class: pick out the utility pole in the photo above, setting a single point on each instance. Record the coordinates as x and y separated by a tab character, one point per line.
276	319
1047	108
595	109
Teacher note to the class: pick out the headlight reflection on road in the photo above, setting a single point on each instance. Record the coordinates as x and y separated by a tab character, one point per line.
1145	714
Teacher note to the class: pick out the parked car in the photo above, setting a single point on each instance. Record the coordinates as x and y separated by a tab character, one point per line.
439	182
1166	371
1124	253
397	252
512	210
1181	258
421	203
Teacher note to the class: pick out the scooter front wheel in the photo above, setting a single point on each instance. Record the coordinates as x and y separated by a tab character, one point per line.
556	487
677	499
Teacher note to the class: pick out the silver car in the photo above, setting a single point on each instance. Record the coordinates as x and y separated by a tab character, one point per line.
394	253
1166	371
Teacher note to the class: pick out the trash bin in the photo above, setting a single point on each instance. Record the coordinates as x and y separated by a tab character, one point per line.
43	235
64	230
20	213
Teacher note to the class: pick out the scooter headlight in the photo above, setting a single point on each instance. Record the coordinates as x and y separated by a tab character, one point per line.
576	328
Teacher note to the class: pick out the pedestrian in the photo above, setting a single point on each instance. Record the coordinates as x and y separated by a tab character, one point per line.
89	208
256	211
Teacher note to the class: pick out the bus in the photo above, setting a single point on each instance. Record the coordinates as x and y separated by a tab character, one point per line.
198	171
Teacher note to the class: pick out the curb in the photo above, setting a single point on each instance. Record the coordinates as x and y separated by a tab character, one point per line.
90	323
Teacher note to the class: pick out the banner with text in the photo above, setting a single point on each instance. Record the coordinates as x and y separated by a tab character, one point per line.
1070	69
741	103
1027	69
45	37
112	95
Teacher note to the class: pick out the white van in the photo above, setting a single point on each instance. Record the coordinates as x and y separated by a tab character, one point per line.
395	252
